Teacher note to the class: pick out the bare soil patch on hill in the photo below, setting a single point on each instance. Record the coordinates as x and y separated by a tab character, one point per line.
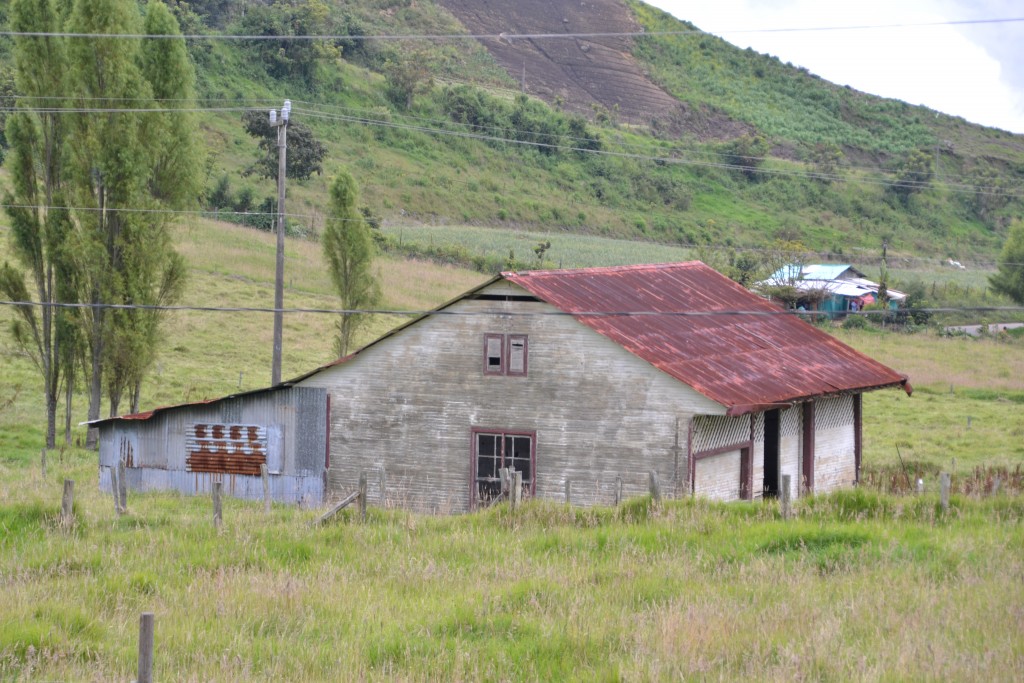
585	72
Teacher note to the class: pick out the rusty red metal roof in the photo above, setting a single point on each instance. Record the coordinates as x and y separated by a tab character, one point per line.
710	333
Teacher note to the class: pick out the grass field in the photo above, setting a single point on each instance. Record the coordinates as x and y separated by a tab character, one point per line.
861	585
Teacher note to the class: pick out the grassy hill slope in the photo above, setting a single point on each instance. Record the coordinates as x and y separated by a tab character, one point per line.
472	149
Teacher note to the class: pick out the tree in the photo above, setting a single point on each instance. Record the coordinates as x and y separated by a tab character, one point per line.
38	231
913	175
349	251
407	75
289	59
1009	276
747	154
305	153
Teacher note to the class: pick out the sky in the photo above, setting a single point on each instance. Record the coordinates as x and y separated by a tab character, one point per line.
974	71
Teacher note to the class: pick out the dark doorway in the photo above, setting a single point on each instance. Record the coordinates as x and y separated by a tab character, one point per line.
772	418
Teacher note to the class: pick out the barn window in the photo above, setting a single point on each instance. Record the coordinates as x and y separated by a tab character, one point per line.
497	449
505	354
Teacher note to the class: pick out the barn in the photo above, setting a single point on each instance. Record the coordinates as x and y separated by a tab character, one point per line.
597	376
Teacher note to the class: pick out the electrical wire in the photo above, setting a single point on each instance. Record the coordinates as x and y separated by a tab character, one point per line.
505	36
584	314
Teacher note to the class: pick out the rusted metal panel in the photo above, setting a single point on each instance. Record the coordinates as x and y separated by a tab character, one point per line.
710	333
225	449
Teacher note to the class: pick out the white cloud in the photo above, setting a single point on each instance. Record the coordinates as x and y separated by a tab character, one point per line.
966	71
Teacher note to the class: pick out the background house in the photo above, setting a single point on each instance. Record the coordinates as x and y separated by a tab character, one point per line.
833	288
595	375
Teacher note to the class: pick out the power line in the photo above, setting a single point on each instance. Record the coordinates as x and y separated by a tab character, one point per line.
505	36
397	312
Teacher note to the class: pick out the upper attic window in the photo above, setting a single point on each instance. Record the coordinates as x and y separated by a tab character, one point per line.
505	354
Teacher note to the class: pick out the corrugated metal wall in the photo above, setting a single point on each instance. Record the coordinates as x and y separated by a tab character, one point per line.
155	450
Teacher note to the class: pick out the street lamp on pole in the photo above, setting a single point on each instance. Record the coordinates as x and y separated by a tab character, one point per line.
281	124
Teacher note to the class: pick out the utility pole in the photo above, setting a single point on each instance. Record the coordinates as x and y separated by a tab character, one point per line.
282	153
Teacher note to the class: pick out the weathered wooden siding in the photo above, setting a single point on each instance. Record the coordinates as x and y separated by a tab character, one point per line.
834	463
408	403
718	476
155	452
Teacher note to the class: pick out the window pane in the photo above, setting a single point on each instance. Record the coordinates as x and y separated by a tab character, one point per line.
517	354
493	352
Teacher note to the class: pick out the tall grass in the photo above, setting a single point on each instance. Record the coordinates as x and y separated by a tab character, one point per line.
857	586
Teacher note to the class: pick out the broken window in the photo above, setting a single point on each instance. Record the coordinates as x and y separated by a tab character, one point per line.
505	354
495	450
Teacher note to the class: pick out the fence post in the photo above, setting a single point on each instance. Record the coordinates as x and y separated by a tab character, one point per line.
383	486
516	490
568	491
266	488
42	461
618	490
145	672
362	496
784	496
655	486
944	482
67	503
217	486
114	489
122	486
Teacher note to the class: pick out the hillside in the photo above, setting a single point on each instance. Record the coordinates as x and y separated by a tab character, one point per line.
679	139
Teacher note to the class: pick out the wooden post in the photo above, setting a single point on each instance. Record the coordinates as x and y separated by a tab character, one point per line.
115	490
145	673
505	484
42	462
618	490
784	494
266	488
568	491
362	496
67	503
122	487
516	490
655	486
944	482
383	487
217	486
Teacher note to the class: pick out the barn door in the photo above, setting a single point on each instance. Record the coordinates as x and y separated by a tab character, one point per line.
495	449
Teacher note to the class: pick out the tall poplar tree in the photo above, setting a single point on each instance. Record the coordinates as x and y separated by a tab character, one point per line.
349	250
38	229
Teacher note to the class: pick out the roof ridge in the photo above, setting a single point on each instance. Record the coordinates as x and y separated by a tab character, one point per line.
607	269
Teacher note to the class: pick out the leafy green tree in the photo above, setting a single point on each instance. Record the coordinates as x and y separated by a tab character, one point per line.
1009	276
747	154
37	230
349	251
825	158
305	152
913	175
286	58
407	75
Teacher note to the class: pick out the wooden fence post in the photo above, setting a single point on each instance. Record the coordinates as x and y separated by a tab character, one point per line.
618	490
383	487
266	488
145	672
362	496
115	490
944	482
42	461
516	488
67	503
122	486
784	496
217	486
568	491
655	486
